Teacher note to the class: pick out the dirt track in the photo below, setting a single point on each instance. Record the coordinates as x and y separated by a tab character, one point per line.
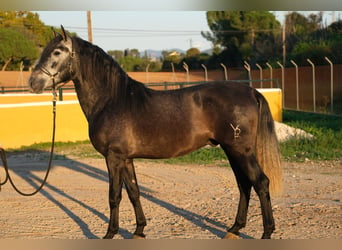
179	201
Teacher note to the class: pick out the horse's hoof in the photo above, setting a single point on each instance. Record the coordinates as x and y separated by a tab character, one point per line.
231	236
108	236
139	237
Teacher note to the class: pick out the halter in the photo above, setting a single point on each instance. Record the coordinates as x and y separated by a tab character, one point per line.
3	152
52	76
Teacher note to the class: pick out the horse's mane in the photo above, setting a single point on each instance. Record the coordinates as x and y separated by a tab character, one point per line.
102	70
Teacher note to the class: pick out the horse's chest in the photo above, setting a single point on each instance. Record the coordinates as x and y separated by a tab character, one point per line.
105	134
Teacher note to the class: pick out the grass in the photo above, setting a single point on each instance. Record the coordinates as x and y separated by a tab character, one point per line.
326	145
82	149
327	141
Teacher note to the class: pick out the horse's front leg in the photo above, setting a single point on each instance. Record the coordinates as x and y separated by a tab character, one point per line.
133	191
115	166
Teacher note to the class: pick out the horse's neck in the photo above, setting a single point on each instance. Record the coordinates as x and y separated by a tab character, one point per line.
89	98
92	89
95	92
97	87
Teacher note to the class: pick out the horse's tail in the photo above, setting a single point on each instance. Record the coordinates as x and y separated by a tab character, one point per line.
267	147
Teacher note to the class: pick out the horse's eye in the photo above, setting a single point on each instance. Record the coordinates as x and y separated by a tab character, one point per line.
56	53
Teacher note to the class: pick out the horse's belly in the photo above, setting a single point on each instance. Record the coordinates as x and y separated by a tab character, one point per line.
167	146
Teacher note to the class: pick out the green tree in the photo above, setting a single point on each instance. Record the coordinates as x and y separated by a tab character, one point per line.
42	34
132	53
194	59
334	37
27	23
22	35
135	53
316	53
172	57
244	35
155	66
133	63
300	28
116	54
307	39
15	48
192	52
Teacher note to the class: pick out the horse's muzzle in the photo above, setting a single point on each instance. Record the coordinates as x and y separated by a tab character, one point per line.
36	86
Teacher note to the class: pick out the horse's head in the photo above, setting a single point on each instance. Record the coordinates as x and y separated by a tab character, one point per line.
55	64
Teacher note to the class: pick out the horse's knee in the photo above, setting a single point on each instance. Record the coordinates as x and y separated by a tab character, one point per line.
114	202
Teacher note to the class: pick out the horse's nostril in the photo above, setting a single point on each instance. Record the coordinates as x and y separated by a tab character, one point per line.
35	85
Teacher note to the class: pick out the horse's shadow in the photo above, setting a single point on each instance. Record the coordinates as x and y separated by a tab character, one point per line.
204	222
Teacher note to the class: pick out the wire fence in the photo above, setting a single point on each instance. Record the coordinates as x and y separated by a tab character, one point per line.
311	88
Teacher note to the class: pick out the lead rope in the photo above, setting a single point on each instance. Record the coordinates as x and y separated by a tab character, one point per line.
4	159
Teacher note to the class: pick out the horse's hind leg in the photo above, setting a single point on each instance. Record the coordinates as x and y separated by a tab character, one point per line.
245	190
248	172
132	187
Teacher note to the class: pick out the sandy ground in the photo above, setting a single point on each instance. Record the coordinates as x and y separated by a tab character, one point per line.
179	201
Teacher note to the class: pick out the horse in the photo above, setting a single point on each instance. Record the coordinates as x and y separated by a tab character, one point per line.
128	120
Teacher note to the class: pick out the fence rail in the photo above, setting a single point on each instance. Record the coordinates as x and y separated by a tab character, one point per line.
311	88
164	86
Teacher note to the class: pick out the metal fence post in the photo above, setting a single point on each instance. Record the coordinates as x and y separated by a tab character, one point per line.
260	69
282	81
147	74
248	68
173	73
331	84
225	71
313	84
205	72
186	67
297	89
271	73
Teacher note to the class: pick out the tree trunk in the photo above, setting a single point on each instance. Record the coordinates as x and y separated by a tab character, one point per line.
5	65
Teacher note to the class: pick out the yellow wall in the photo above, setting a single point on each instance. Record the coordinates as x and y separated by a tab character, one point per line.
27	119
26	125
274	99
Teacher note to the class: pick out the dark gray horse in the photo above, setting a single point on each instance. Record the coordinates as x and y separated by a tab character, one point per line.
127	120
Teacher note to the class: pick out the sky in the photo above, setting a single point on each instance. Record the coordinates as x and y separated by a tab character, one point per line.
142	30
118	30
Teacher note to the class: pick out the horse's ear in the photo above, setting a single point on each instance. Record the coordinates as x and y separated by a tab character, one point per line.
54	32
64	34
